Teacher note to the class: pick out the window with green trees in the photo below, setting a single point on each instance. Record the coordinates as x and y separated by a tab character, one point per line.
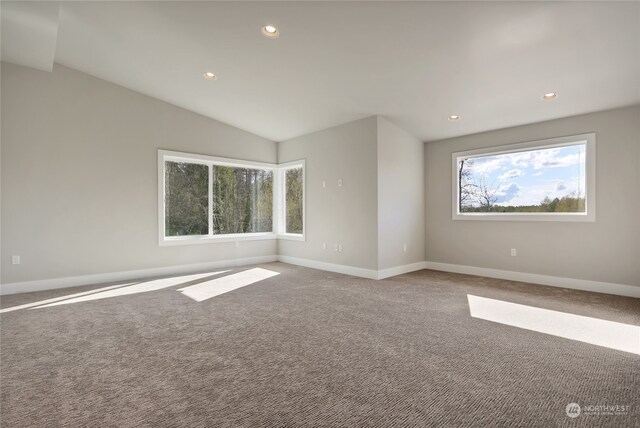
294	203
186	199
242	200
202	197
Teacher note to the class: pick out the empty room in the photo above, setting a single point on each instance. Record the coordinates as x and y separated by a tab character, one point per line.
320	214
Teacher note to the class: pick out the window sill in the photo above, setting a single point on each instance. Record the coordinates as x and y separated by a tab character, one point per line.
218	239
569	217
291	236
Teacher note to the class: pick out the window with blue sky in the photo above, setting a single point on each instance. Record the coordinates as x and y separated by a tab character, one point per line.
537	180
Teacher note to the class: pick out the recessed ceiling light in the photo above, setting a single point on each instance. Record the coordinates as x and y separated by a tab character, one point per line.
270	31
550	96
454	117
210	76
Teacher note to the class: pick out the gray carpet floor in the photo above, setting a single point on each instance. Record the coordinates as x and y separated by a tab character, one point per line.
311	348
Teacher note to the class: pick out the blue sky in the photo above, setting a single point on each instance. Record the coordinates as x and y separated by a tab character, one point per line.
526	178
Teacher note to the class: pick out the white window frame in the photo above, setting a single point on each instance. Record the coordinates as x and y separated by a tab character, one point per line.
590	179
282	201
278	199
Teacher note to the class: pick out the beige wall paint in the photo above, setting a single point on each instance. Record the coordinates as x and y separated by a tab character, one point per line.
344	215
607	250
79	175
400	196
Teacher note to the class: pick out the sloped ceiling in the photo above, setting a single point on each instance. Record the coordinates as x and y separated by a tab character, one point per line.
29	33
413	62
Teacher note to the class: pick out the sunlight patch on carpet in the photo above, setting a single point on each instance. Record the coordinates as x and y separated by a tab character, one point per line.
57	299
610	334
142	287
208	289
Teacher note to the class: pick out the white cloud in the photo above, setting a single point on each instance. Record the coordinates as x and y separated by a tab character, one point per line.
534	194
536	159
511	174
487	165
555	162
506	193
539	159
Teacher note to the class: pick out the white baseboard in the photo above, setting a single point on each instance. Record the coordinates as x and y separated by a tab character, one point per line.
74	281
331	267
554	281
350	270
399	270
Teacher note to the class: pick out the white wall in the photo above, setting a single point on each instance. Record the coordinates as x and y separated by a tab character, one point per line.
380	206
79	175
344	215
607	250
79	189
400	196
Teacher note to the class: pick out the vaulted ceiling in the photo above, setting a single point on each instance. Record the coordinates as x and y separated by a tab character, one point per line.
413	62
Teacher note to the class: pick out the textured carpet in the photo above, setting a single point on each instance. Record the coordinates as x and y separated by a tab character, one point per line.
311	348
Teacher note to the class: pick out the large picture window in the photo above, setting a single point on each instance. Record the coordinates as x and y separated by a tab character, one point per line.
205	199
539	180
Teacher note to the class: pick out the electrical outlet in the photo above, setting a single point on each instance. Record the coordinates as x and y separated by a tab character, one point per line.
405	247
335	247
324	245
339	182
15	260
514	252
324	184
340	247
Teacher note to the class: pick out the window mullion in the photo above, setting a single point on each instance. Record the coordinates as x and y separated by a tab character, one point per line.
278	201
210	199
284	201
